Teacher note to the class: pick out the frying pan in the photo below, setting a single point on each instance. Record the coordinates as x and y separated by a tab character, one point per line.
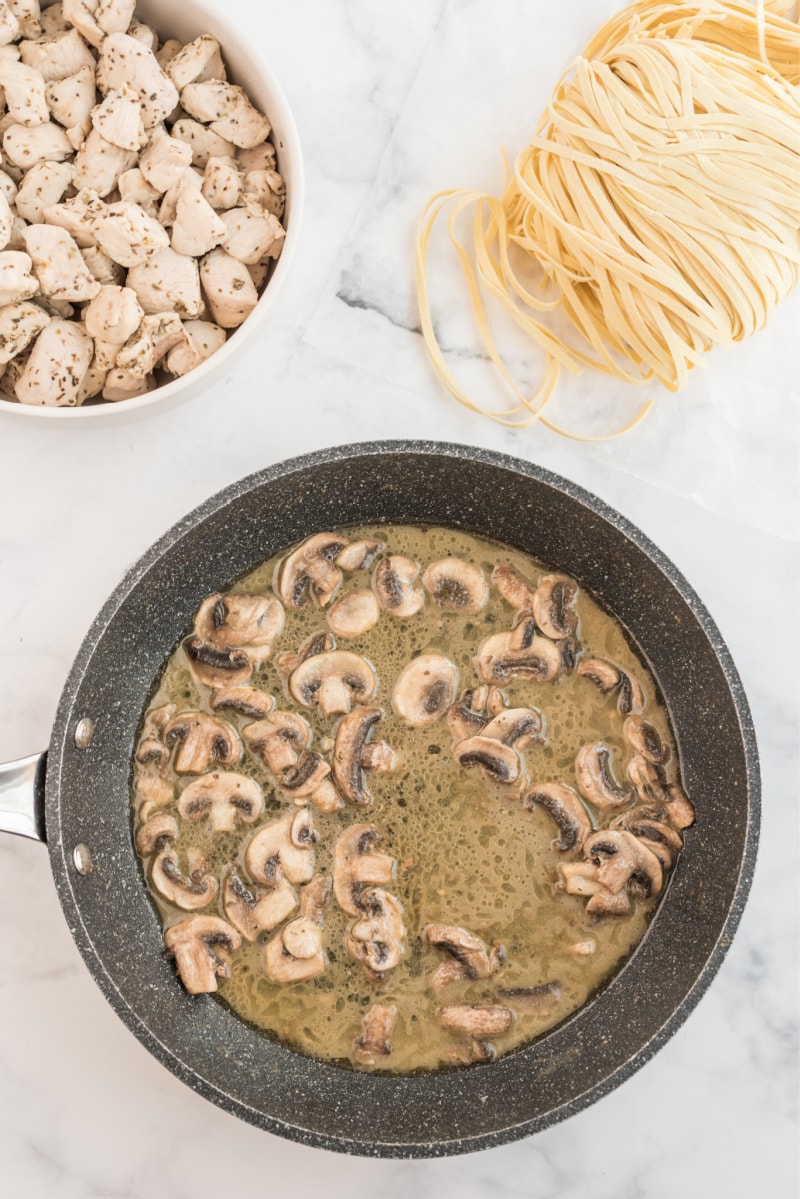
79	800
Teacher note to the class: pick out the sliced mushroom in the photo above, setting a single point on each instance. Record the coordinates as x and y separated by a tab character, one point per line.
425	689
259	910
151	744
596	782
226	798
539	1000
623	861
376	938
648	780
554	606
320	642
468	951
309	780
375	1038
499	762
393	583
314	897
201	740
352	756
153	792
278	740
359	555
501	657
584	949
661	838
565	808
311	570
251	623
607	677
357	864
247	701
296	954
474	711
201	946
333	680
154	834
284	847
678	806
478	1022
514	587
187	893
606	903
582	878
645	739
455	584
216	667
354	614
519	727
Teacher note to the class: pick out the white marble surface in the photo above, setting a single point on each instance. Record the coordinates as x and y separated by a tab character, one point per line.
84	1110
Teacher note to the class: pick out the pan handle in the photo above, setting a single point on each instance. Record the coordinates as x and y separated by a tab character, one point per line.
22	797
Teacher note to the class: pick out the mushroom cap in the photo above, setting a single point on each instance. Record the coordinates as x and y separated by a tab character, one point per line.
554	606
376	938
248	701
645	739
393	583
318	643
235	621
499	659
253	912
201	739
648	780
228	798
187	893
605	675
456	585
311	570
295	954
354	613
333	680
155	832
515	726
279	739
216	667
514	587
623	860
348	764
151	746
564	806
425	689
283	848
357	864
200	946
596	782
478	1020
468	950
498	762
304	778
359	555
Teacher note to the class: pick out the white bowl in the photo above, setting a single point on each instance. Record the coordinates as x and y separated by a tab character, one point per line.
187	20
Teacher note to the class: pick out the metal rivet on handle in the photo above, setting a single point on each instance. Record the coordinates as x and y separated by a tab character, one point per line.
82	858
84	731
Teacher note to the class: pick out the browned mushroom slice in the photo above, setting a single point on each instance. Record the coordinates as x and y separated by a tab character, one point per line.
283	848
645	739
457	585
519	727
376	938
478	1022
565	808
596	782
201	946
554	606
187	893
648	780
216	667
607	677
247	701
539	1000
468	717
424	690
151	743
679	808
606	903
354	614
226	798
153	792
581	878
393	583
514	587
296	954
333	681
352	755
661	838
500	659
320	642
375	1038
623	861
357	864
446	973
311	570
467	950
359	555
303	779
258	910
500	763
279	739
249	622
155	833
201	740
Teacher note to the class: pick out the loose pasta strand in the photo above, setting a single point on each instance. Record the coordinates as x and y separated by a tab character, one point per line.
659	196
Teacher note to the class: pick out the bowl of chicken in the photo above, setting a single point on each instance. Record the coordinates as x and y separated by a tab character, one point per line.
151	190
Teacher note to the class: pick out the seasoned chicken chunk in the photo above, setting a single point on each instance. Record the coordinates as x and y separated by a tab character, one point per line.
222	183
124	60
203	338
252	233
168	282
24	145
128	235
17	281
44	184
71	100
25	93
230	291
99	164
57	263
119	119
202	141
57	364
199	60
19	324
57	57
228	110
165	160
77	215
197	227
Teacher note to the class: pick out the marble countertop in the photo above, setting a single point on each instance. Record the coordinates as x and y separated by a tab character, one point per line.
711	478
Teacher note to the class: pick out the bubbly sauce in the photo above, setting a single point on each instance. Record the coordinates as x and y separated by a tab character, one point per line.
467	852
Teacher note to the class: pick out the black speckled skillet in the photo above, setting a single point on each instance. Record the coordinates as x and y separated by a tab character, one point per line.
82	798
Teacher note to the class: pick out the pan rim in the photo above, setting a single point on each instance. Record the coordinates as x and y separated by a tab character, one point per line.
65	882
